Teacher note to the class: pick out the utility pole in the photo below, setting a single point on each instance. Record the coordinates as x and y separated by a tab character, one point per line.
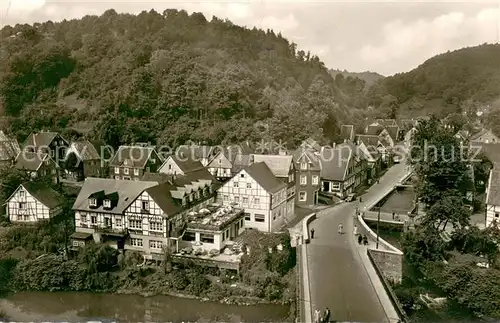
378	225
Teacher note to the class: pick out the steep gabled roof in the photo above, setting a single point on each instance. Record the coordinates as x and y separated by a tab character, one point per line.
39	139
31	161
132	156
278	164
261	173
393	132
85	150
491	151
187	165
374	130
46	195
335	162
373	141
127	192
162	196
306	154
241	161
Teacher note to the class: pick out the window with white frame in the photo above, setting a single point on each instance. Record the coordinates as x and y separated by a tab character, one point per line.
256	200
136	242
145	206
303	166
118	222
249	185
235	184
155	226
83	217
21	193
226	197
125	171
237	199
155	244
136	171
135	224
302	196
303	180
22	205
117	170
260	218
93	219
107	203
315	179
335	185
247	216
93	202
245	200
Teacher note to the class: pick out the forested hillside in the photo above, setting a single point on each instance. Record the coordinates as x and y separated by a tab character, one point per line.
165	78
368	77
456	81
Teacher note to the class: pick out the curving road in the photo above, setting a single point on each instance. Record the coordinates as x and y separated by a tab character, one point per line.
337	276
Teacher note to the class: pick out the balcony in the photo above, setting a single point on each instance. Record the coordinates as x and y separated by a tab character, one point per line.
108	230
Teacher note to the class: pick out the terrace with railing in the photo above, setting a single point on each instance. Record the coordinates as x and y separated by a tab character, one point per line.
214	217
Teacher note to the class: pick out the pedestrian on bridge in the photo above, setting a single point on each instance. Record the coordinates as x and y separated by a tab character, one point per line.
360	239
317	316
312	233
326	316
355	230
340	228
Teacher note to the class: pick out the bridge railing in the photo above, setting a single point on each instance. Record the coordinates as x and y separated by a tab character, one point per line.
388	288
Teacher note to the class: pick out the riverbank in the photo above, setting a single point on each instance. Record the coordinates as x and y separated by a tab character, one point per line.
82	306
267	274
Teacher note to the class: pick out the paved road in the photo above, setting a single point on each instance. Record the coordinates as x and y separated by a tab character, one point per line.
338	279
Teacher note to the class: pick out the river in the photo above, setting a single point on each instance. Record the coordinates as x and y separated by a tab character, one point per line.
78	306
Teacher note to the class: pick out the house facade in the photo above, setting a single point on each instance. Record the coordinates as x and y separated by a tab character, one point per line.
176	165
32	203
144	216
221	165
131	162
37	165
283	168
47	142
261	195
343	170
493	198
308	172
82	160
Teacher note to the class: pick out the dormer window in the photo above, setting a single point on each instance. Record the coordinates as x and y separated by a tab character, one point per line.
107	203
153	161
303	166
93	201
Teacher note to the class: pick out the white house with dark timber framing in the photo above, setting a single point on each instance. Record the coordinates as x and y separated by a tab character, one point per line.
493	198
32	202
262	196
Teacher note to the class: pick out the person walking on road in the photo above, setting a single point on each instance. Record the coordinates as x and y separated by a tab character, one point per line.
340	228
326	315
317	316
312	233
360	239
355	230
365	240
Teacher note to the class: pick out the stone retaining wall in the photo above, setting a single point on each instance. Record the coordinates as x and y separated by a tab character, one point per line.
389	263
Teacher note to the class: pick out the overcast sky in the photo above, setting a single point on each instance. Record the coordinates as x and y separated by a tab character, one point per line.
384	37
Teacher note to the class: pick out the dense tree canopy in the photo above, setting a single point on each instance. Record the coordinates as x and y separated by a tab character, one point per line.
166	77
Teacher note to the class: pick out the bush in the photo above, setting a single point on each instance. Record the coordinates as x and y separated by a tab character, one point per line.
179	280
198	284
